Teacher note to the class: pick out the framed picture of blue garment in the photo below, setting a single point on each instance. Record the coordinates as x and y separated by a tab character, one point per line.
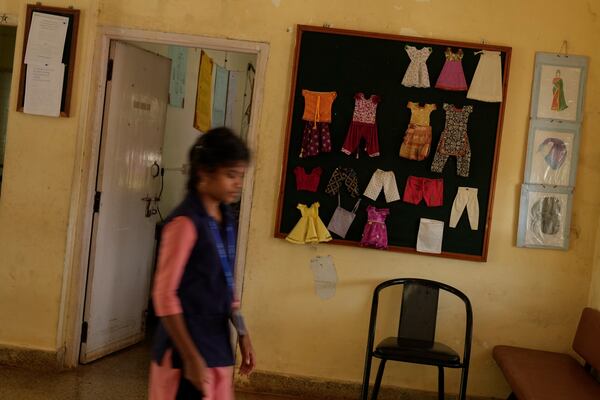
558	87
545	216
552	154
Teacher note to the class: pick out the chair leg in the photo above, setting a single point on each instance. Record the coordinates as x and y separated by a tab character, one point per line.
462	394
440	382
378	379
367	373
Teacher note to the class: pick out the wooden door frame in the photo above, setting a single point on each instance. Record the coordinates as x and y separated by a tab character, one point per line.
80	218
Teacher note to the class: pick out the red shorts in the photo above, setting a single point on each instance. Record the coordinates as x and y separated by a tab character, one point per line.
417	189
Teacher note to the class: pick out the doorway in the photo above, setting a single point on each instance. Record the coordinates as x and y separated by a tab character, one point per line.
105	326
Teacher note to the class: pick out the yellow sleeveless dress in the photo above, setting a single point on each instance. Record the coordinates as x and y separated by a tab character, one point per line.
310	228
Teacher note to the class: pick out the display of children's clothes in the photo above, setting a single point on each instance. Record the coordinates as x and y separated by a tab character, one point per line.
342	219
316	137
465	197
558	93
452	76
375	232
309	229
346	176
417	189
385	180
487	81
454	141
417	139
363	126
430	236
307	181
416	74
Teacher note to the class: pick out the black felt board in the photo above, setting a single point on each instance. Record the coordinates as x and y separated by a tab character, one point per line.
348	62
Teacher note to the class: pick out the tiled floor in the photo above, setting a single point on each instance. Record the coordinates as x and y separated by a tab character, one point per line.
120	376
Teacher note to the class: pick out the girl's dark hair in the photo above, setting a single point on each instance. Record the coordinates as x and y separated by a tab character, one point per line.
219	147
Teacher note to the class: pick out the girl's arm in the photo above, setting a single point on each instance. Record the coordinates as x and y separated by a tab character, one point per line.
177	241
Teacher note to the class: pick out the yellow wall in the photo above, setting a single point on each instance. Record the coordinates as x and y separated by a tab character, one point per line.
524	297
595	285
35	201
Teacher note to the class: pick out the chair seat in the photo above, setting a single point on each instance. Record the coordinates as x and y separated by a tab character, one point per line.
417	351
544	375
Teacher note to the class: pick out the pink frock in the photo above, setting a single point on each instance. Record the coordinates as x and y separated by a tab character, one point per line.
452	76
375	233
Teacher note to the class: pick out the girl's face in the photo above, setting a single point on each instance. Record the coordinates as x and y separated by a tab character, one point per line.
225	183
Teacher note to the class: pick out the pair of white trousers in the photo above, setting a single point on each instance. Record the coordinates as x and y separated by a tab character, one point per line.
465	197
385	180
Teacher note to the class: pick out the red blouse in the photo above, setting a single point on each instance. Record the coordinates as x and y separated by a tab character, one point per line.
308	182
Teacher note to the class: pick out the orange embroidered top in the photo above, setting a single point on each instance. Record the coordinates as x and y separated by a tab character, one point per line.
317	105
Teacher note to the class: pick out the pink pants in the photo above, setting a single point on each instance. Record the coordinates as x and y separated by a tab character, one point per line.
164	381
358	131
417	189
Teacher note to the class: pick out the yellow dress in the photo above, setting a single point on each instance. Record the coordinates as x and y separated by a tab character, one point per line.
310	228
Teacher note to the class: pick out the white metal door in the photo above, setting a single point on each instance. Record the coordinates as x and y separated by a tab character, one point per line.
121	253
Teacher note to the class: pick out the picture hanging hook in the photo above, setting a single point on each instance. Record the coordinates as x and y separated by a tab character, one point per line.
564	45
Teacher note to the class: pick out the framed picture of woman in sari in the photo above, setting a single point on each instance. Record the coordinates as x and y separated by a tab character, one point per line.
558	87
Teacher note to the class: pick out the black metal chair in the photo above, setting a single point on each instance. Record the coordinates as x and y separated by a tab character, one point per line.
415	342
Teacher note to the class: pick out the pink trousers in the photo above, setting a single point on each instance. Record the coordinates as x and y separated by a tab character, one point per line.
164	381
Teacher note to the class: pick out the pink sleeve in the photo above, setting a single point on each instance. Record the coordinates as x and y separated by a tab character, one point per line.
177	241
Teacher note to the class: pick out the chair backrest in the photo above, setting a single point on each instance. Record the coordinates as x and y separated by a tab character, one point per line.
587	338
418	312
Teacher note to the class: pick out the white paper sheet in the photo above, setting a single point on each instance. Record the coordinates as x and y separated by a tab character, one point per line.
325	276
46	41
43	89
431	233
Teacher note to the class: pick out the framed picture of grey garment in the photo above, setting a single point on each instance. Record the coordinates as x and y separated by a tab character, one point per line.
552	153
545	216
558	87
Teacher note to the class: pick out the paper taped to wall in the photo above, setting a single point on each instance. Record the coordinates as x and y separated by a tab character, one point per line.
325	276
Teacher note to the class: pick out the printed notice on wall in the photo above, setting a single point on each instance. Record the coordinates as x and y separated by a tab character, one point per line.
46	40
43	89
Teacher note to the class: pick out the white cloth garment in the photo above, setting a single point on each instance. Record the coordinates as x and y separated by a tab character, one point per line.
385	180
487	81
465	197
416	74
431	234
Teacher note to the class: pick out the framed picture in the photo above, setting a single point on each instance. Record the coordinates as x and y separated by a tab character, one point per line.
545	216
558	87
552	153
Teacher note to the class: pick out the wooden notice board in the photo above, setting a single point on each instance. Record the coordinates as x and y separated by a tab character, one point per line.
349	62
68	54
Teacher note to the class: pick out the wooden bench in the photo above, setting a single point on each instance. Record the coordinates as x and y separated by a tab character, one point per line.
544	375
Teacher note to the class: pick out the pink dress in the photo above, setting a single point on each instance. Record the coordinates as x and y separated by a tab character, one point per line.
375	233
177	241
452	76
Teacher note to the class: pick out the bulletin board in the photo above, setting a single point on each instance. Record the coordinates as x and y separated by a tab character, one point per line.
68	54
349	62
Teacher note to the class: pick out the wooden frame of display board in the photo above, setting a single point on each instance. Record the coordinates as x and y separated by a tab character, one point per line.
348	62
68	54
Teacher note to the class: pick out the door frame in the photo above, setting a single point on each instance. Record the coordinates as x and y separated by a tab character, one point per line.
80	218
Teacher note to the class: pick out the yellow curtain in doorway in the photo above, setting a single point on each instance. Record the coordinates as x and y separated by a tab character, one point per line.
202	115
